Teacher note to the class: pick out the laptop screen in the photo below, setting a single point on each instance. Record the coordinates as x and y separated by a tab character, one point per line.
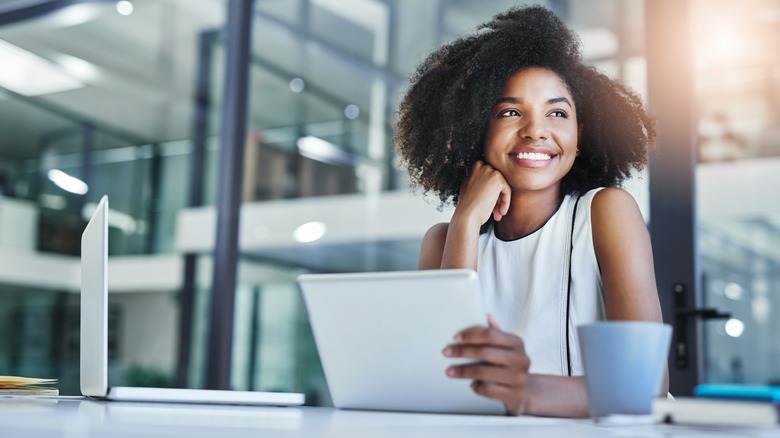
94	303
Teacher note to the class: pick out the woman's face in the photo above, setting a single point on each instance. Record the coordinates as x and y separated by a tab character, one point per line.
532	135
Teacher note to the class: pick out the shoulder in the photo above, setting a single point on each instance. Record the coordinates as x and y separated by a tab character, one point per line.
612	202
438	231
615	218
432	248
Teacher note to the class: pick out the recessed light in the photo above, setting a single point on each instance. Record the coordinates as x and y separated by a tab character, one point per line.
351	111
124	7
68	183
309	232
297	85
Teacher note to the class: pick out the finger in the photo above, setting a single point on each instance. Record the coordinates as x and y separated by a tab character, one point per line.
505	197
487	355
488	336
488	373
502	203
492	322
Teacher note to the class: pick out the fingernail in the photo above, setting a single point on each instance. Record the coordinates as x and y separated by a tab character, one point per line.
451	372
448	351
458	337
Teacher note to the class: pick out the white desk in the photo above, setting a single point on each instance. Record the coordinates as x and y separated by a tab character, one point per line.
76	418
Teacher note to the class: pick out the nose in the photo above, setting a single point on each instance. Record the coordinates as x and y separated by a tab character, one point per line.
534	128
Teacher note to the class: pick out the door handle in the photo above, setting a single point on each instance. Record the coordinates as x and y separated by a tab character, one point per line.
703	312
682	313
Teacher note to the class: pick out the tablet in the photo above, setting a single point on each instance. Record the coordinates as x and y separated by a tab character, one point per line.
380	338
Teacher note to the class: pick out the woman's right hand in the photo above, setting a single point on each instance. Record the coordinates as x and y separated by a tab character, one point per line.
485	192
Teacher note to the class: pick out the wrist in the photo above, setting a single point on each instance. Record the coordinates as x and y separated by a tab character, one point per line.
529	407
464	222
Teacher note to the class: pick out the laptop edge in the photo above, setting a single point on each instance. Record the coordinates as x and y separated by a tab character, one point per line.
94	337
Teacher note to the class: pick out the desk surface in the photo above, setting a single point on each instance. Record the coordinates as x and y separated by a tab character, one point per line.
87	418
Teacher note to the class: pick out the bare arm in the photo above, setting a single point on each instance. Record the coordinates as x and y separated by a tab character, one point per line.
625	256
622	246
556	396
454	245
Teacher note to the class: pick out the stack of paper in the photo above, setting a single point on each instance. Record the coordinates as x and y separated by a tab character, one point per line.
14	385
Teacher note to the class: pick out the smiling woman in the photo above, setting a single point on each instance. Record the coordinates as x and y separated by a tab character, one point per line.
530	145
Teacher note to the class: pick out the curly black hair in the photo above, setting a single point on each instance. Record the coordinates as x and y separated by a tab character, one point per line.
443	118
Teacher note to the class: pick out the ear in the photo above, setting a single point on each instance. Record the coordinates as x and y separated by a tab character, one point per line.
579	137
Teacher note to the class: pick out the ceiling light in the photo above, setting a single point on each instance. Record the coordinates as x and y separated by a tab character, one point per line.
318	149
733	291
734	327
309	232
124	7
26	73
74	15
67	182
351	112
79	68
297	85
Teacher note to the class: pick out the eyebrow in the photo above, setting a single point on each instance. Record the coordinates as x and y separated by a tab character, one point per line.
519	101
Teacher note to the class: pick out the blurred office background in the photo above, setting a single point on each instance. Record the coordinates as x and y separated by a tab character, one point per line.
124	98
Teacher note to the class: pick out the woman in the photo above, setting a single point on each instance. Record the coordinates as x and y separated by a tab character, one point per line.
531	145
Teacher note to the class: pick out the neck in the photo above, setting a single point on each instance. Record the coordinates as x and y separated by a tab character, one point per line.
528	211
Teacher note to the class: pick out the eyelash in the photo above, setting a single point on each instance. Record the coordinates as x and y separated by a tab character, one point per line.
505	113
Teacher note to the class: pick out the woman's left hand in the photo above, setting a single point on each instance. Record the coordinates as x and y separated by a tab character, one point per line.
501	368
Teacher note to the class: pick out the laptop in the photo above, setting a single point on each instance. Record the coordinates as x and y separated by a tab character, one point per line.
380	338
94	336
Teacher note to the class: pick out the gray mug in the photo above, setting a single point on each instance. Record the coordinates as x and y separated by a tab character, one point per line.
624	363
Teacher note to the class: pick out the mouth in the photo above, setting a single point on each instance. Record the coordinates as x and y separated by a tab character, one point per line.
535	159
532	156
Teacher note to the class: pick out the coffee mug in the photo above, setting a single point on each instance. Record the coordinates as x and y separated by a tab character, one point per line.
624	363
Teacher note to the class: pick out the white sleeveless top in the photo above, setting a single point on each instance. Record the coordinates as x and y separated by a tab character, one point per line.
525	284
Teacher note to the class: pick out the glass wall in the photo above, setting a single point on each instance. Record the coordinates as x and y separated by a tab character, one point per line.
738	88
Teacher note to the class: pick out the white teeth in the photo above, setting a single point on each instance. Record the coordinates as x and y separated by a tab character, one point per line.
533	156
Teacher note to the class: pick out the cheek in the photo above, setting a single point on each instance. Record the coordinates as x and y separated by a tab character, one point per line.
490	144
571	139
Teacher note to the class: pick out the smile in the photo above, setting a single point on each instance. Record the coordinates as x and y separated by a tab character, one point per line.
532	156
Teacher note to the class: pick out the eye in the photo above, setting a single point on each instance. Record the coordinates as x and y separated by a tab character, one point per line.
509	113
559	113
